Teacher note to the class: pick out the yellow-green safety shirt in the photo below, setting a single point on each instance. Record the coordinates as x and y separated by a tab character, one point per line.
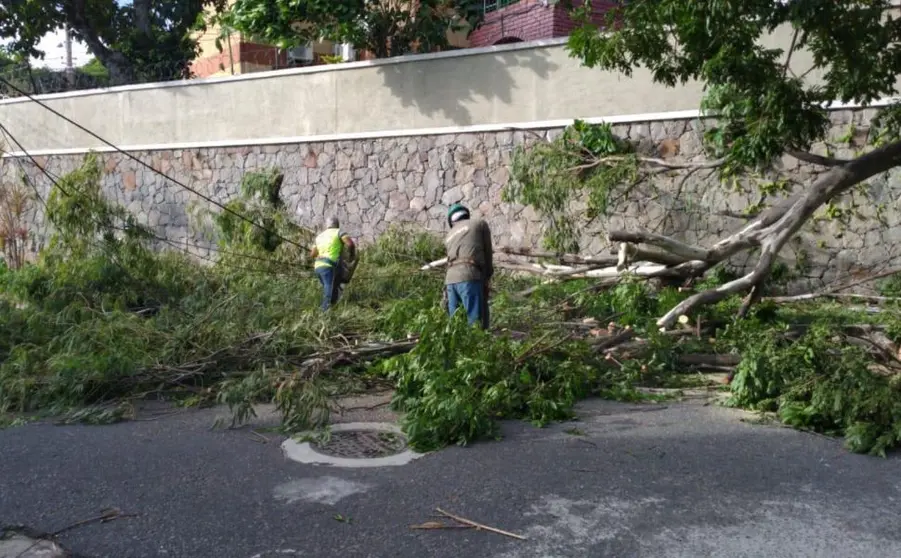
329	245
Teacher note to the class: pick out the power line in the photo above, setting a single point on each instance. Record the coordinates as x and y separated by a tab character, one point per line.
34	162
146	165
55	182
44	203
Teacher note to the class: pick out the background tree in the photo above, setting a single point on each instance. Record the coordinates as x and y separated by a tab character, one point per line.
385	28
141	40
763	111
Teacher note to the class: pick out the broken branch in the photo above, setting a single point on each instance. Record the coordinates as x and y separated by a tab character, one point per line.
685	251
652	161
561	257
815	159
479	526
813	296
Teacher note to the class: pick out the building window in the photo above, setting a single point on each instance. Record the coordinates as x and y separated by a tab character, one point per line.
494	5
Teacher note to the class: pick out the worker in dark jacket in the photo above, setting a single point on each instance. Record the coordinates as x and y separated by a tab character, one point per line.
469	265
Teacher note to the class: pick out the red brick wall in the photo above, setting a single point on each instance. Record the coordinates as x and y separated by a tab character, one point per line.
563	25
530	20
241	51
253	53
264	55
209	65
527	20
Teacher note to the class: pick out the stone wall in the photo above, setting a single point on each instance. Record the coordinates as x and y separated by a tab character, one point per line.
378	182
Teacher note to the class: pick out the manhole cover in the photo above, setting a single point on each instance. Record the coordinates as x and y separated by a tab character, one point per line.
23	543
361	444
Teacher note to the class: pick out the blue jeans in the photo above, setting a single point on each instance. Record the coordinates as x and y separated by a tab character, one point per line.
330	291
470	295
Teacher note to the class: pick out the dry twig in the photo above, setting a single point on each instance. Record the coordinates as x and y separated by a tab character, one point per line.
468	523
107	515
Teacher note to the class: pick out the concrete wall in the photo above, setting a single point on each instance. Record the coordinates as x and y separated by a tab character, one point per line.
491	86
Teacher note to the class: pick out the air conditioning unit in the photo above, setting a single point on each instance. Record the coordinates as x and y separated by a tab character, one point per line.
302	54
345	51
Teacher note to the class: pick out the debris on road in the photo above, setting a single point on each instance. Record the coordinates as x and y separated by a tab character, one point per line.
465	524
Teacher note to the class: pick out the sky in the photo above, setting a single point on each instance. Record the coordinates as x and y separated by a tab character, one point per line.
53	45
54	48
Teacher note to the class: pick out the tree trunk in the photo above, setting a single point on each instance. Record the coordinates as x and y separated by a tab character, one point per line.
121	71
142	16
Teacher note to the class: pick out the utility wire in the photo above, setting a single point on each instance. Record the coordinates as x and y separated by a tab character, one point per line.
37	193
146	165
55	181
12	138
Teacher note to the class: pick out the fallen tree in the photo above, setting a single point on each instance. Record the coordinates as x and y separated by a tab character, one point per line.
770	232
759	108
103	320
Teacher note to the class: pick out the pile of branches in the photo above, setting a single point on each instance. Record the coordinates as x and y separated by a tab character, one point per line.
817	361
620	343
633	262
102	319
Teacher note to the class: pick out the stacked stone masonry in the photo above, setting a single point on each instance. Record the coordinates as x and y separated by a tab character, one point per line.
374	183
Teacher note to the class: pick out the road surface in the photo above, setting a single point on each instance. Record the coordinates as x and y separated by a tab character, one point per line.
678	480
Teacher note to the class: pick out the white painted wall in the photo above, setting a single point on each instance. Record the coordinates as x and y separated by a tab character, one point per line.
518	84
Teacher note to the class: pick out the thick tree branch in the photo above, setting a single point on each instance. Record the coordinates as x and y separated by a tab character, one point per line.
712	296
629	253
685	251
772	237
142	16
815	159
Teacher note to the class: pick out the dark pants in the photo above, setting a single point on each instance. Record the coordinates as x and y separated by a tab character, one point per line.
472	297
331	290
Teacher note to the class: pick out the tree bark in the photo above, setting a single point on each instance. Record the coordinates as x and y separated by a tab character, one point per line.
771	231
142	16
121	71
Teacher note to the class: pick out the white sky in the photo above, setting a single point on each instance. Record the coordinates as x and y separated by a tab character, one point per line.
54	48
53	45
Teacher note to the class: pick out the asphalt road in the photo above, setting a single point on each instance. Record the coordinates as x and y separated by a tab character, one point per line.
678	480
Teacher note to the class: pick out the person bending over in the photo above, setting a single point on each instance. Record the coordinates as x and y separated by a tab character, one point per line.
469	265
328	253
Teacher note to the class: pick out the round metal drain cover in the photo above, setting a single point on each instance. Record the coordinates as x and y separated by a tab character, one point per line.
361	444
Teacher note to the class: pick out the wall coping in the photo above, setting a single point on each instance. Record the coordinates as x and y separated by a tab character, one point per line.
383	134
459	53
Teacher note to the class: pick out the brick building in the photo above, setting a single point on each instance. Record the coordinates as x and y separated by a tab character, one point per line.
512	21
506	21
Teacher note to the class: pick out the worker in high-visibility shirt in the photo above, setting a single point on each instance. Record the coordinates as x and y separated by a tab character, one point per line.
328	254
